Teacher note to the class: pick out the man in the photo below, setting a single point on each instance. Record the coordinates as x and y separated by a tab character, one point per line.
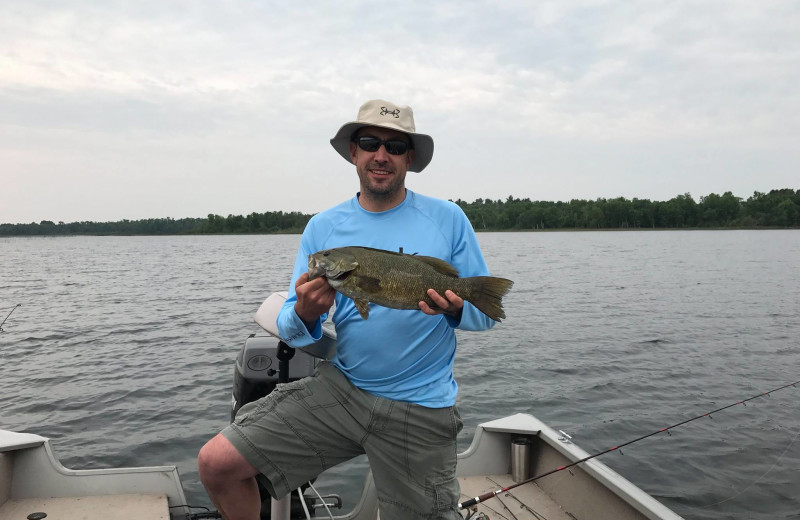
389	392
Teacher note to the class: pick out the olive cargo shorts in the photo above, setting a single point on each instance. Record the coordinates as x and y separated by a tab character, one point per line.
305	427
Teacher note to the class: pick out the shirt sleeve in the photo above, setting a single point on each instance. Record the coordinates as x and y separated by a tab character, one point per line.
291	328
468	259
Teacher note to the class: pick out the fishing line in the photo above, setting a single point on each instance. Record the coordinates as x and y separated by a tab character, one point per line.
9	314
510	512
522	504
756	481
491	494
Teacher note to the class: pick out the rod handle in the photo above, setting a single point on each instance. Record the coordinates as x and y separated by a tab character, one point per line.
469	503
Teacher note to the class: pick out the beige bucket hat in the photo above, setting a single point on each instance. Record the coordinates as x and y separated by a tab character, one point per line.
384	114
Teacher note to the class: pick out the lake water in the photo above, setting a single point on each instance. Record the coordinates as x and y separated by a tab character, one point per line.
122	352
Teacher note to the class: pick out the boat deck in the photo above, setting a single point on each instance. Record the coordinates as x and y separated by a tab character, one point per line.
523	503
118	507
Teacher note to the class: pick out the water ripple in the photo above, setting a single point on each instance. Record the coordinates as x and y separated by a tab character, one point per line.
123	350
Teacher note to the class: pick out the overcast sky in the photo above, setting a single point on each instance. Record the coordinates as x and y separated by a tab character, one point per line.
112	109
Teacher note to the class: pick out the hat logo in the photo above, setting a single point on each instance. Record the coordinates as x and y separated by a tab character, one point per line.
385	111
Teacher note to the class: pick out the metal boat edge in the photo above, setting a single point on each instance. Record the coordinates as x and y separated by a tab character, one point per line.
592	491
29	470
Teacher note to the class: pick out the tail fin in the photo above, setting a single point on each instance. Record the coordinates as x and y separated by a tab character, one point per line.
487	295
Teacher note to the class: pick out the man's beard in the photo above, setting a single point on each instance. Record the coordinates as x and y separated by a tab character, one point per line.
384	191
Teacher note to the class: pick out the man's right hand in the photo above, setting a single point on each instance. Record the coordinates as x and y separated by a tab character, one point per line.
314	298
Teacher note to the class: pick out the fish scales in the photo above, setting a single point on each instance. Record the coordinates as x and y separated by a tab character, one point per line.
405	281
401	281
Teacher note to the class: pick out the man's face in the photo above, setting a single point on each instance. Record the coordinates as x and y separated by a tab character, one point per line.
382	174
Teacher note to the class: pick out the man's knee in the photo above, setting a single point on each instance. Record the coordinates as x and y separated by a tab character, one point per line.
220	460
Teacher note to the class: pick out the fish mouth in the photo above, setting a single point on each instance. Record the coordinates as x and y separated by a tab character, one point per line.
317	270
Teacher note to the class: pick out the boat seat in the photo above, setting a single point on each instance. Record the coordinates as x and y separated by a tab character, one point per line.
118	507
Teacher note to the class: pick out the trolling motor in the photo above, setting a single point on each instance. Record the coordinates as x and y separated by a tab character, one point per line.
262	364
259	365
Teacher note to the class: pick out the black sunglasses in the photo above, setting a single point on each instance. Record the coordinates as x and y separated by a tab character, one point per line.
372	144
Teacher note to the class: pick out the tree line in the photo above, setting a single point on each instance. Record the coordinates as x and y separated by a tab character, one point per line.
263	223
776	209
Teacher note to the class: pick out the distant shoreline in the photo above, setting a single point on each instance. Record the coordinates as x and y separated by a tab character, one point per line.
479	231
778	209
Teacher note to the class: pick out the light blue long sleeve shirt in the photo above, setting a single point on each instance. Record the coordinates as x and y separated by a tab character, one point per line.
404	355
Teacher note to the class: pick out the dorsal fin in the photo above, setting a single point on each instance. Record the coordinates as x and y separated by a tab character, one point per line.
439	264
379	250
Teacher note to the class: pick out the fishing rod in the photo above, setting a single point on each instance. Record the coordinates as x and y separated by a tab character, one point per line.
486	496
9	314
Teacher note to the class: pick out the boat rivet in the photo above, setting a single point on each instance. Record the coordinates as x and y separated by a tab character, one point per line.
37	516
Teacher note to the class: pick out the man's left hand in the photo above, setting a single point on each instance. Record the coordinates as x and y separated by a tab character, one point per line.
450	303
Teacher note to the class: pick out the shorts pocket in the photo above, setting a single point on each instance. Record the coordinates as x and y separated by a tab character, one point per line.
433	426
312	393
253	411
446	492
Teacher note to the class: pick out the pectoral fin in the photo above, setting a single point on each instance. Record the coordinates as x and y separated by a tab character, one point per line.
363	307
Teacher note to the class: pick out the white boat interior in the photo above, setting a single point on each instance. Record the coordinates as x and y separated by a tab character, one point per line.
34	483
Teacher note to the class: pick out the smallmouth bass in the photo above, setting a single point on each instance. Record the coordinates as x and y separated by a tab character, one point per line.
401	281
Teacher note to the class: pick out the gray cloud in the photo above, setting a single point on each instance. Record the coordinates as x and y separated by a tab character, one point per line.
113	110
